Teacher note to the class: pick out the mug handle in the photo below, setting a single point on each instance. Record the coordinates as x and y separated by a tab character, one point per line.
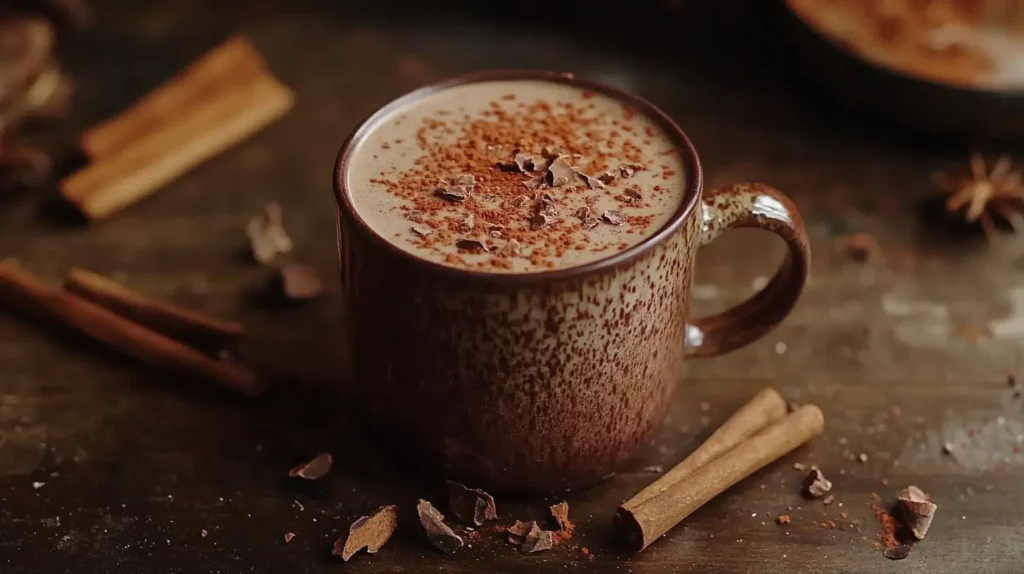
763	207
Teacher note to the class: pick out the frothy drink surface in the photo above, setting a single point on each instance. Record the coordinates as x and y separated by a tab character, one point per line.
516	176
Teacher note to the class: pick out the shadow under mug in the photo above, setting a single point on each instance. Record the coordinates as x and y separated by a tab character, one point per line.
549	380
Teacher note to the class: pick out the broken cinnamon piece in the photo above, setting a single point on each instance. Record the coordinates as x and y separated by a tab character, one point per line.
470	505
537	540
198	330
440	535
233	63
314	469
26	293
267	236
370	532
917	510
300	282
816	485
211	126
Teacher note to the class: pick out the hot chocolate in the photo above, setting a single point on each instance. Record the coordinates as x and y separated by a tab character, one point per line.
515	176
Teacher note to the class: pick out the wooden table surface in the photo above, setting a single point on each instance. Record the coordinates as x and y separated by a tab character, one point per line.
107	466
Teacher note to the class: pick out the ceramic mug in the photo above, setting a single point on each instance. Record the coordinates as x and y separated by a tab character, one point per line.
545	380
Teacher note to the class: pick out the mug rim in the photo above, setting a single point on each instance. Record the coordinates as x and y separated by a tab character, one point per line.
691	162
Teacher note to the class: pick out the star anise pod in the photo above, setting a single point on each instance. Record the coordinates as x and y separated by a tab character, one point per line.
985	195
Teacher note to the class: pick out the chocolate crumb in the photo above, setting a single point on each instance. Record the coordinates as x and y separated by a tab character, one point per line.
592	182
540	221
370	532
590	223
470	505
421	231
799	466
782	519
515	202
300	282
453	193
472	245
520	162
628	169
288	537
654	469
314	469
828	500
816	485
535	183
467	179
560	514
518	531
897	552
537	540
468	223
917	510
606	177
634	193
583	213
203	533
267	236
559	172
862	457
947	448
613	217
494	231
440	535
510	249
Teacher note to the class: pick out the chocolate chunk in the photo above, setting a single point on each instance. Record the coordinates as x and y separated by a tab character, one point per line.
470	505
537	540
550	153
515	202
897	552
535	183
510	249
634	193
560	514
456	193
816	485
560	172
592	182
494	230
917	510
267	236
300	282
583	213
606	177
519	530
540	221
314	469
613	217
467	224
590	223
370	532
520	162
440	535
421	231
472	245
627	170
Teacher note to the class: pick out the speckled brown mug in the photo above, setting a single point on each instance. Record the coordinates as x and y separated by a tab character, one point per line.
545	380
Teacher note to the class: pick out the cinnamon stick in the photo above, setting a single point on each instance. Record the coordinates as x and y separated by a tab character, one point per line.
766	407
128	175
197	330
234	62
640	525
25	292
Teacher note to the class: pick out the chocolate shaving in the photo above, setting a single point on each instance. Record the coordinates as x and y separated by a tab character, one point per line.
421	231
314	469
816	485
592	182
559	172
613	217
897	552
440	535
627	170
590	223
472	245
537	540
583	213
467	224
470	505
370	532
267	237
917	510
300	282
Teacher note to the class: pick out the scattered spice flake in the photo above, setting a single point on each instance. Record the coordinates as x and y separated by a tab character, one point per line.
288	537
559	172
470	505
828	500
370	532
627	170
860	247
440	535
590	223
782	519
472	245
300	282
421	231
816	485
267	236
897	552
537	540
314	469
613	217
654	469
917	510
560	513
889	526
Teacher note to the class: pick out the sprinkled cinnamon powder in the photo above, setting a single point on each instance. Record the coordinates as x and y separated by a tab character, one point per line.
518	166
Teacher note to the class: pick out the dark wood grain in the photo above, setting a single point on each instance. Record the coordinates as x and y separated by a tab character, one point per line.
136	464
